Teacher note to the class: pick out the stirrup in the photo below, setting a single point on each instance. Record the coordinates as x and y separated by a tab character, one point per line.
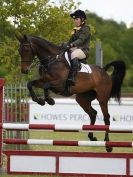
71	80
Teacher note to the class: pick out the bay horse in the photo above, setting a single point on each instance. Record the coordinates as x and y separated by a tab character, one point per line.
54	71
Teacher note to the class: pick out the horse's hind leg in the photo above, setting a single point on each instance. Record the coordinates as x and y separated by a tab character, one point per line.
84	100
103	101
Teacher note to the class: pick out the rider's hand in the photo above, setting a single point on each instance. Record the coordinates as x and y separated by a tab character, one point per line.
67	47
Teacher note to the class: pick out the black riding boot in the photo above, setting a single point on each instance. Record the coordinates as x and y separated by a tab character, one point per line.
73	72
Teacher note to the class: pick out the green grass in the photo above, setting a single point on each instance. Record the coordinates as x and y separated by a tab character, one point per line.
73	136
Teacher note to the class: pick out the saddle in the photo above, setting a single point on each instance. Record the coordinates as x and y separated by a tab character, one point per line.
83	66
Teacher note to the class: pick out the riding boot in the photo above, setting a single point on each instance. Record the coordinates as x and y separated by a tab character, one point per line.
73	72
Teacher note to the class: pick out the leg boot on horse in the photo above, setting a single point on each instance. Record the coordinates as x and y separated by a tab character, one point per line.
73	71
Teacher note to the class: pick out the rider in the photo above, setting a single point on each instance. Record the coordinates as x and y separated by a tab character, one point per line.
78	43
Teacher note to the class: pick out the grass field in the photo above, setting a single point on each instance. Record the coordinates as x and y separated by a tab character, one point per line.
73	136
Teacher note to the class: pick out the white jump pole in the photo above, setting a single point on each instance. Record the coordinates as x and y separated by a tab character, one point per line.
62	127
68	143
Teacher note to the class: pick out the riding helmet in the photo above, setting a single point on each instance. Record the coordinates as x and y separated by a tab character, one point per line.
78	14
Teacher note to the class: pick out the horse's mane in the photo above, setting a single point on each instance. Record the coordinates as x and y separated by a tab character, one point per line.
43	42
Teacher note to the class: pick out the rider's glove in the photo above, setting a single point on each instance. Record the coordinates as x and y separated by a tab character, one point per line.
67	47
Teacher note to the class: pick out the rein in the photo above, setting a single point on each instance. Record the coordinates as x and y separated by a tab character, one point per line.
50	60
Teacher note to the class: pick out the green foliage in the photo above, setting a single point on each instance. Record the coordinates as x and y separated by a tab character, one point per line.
117	43
40	18
46	19
6	59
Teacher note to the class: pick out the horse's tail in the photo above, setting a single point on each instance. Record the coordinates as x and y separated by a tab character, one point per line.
117	77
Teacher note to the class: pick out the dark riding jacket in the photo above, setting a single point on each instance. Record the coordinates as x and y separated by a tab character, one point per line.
81	39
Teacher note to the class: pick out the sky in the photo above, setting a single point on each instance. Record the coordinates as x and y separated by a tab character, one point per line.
118	10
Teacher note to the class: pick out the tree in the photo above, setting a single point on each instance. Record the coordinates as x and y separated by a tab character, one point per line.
40	18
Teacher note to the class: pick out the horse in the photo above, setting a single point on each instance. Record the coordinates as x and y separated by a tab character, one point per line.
54	71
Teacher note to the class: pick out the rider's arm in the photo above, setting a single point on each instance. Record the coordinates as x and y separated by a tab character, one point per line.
83	36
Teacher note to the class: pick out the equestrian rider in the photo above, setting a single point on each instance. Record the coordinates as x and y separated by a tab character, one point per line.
78	43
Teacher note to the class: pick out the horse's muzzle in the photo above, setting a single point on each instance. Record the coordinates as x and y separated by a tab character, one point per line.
24	71
26	68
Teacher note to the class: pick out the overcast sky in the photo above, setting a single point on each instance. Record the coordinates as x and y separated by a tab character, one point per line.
119	10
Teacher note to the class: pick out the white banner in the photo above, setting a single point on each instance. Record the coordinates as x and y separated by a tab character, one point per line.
67	111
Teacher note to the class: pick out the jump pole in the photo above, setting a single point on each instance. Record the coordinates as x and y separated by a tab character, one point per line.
68	143
71	128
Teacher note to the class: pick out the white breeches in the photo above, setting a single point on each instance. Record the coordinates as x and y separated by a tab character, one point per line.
77	53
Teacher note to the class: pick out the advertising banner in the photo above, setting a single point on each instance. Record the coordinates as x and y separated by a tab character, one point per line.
67	111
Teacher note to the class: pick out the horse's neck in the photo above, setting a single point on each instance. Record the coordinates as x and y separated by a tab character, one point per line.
45	48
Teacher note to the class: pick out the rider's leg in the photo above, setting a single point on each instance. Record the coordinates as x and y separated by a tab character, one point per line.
73	71
75	56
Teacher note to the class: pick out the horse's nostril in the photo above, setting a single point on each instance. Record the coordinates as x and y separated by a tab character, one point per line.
24	71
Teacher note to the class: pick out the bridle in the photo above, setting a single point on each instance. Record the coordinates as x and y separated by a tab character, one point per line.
31	48
32	52
45	62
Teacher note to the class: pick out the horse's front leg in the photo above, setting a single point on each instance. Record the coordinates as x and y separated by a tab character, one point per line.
40	84
47	97
36	83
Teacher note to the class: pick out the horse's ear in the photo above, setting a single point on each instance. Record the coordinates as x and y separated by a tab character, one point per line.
18	36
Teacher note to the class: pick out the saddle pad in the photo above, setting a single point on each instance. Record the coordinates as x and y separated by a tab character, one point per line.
84	67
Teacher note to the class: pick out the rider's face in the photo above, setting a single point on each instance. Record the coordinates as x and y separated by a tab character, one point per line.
77	21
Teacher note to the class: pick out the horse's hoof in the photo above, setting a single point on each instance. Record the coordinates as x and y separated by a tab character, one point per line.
41	101
35	100
109	149
50	101
92	138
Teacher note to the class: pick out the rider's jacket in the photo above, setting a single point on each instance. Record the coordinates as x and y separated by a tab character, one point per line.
81	38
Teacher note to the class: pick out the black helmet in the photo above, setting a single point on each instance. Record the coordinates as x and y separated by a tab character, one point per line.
78	14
